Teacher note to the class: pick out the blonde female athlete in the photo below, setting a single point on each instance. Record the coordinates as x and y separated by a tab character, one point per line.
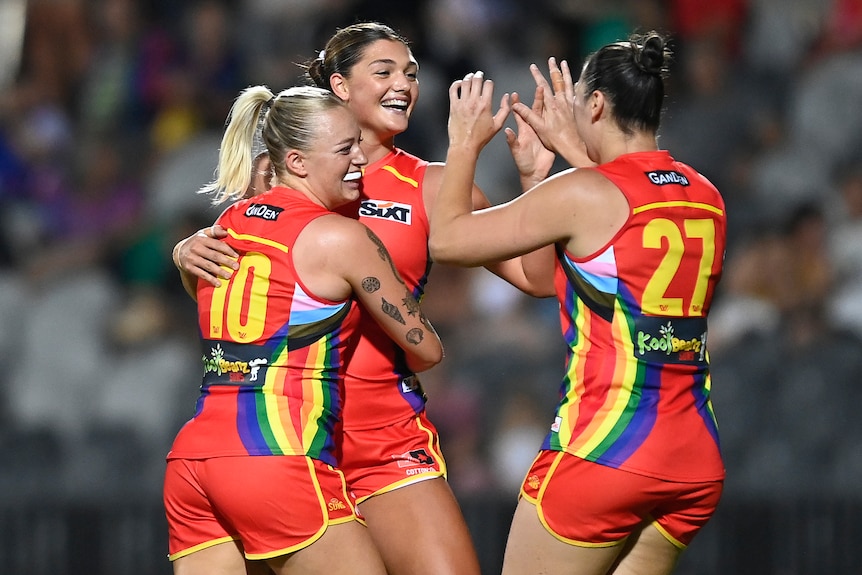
253	475
390	454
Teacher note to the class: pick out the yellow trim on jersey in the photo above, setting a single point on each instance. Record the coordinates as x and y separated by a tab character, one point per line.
258	239
678	204
395	173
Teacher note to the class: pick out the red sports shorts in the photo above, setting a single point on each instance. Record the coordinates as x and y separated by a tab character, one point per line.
379	460
272	505
591	505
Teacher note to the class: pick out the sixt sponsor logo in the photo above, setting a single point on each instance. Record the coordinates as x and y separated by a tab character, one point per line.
664	342
665	177
401	213
263	211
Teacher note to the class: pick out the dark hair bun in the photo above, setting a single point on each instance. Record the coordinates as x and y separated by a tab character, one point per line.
650	53
315	72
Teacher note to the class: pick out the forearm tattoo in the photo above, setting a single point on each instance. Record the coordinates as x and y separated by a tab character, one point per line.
413	308
371	284
393	312
383	252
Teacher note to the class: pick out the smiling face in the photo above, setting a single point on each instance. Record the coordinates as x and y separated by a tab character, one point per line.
332	167
382	88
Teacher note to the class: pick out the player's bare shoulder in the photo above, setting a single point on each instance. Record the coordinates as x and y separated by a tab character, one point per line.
332	232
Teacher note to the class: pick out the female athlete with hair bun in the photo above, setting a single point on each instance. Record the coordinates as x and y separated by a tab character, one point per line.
631	468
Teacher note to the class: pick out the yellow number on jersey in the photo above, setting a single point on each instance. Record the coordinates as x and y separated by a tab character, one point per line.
655	299
227	300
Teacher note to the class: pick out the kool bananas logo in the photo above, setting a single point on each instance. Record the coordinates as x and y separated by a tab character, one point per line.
666	343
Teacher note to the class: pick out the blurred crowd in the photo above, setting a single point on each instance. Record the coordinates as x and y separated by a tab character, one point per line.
111	114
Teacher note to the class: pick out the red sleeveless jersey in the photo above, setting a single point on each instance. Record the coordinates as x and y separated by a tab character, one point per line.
273	352
379	387
635	395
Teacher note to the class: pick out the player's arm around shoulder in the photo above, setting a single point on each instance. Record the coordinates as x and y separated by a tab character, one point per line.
342	256
204	255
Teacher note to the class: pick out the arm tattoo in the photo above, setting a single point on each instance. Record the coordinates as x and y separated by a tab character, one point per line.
371	284
383	252
415	336
392	311
411	304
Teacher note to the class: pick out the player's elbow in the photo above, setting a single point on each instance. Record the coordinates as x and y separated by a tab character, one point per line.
539	290
444	250
425	359
438	248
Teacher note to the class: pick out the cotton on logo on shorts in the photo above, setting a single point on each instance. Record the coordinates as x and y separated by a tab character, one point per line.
413	458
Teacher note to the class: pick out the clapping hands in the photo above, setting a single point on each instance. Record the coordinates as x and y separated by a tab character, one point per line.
551	116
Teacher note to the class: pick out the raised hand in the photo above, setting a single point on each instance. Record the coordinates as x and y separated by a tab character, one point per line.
554	122
532	158
471	123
